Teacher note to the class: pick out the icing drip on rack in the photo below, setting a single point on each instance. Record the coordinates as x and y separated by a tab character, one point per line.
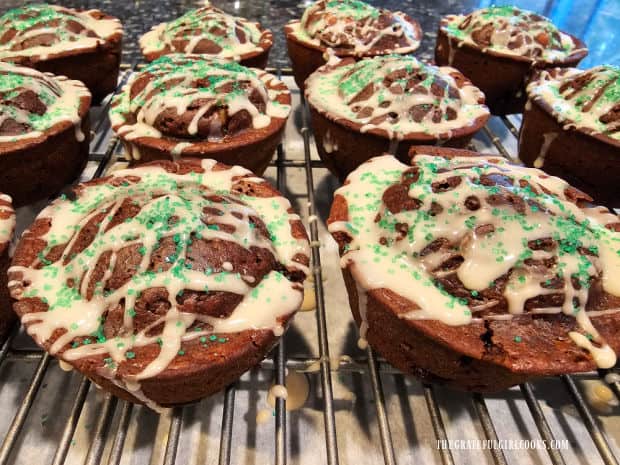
355	27
207	31
512	31
397	94
588	100
7	221
48	30
182	220
32	102
477	237
190	99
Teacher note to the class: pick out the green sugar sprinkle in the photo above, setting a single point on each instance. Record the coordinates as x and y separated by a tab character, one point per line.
577	241
211	24
130	355
517	339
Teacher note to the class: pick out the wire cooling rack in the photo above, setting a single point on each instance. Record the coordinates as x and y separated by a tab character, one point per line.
55	417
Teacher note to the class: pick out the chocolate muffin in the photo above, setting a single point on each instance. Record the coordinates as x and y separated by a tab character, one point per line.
498	47
347	28
188	106
210	32
571	129
83	45
387	104
465	270
7	227
162	283
44	132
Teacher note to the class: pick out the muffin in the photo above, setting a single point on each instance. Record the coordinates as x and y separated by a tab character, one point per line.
188	106
162	283
210	32
347	28
44	132
498	47
387	104
465	270
571	129
83	45
7	226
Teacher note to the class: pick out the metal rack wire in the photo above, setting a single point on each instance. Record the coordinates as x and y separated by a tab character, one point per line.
104	149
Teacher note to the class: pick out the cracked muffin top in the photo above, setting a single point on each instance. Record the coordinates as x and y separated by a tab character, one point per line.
397	96
471	238
41	32
511	31
207	31
587	100
187	99
355	28
137	275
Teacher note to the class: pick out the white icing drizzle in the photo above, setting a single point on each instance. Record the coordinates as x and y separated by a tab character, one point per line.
588	100
277	390
329	144
71	31
611	378
212	89
397	95
7	220
353	27
496	217
170	205
60	100
548	139
296	391
309	302
362	305
511	31
208	31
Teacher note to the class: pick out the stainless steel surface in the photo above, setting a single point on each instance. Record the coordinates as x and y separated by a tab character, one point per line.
359	410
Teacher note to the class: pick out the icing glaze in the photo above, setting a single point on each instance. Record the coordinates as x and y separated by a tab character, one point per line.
396	94
7	221
353	27
508	235
295	392
207	31
588	100
45	31
511	31
57	100
548	139
182	207
212	100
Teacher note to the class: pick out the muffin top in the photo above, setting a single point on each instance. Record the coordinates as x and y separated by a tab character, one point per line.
352	27
587	100
396	96
207	31
32	103
189	99
45	31
474	237
511	31
134	274
7	221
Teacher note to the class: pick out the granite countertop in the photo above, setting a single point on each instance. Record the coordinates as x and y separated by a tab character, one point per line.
596	22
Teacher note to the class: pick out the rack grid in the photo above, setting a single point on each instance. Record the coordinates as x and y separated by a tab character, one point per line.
105	151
